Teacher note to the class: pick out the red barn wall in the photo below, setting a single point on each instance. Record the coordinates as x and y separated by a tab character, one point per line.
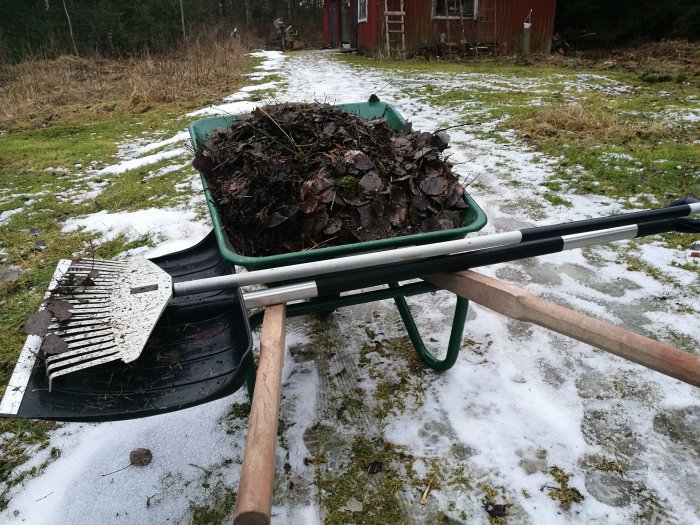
370	32
510	17
421	29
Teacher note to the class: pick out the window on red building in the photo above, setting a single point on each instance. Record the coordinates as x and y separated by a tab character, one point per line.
454	9
362	10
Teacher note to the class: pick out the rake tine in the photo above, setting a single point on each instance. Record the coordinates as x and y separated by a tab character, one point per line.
83	364
80	353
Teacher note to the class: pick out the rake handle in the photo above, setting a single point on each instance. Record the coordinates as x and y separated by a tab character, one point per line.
524	306
254	501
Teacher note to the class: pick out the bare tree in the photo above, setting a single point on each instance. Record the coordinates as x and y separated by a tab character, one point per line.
182	18
70	26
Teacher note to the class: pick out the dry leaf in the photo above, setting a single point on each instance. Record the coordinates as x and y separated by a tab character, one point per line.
61	310
53	345
37	323
140	457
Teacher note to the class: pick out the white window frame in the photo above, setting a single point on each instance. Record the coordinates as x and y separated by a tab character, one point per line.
361	3
454	17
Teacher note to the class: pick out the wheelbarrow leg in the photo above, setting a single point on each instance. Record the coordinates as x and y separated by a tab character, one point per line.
454	343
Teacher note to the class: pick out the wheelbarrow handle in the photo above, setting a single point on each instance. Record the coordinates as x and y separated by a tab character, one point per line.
524	306
254	500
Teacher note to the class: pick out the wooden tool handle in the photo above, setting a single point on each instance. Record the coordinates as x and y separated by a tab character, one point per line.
524	306
254	501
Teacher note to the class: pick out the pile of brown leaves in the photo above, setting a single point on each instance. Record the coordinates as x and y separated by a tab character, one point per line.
293	177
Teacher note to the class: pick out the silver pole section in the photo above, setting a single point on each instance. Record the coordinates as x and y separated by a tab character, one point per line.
579	240
352	262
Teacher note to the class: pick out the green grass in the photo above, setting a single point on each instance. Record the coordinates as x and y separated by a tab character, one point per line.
27	153
557	200
17	437
33	240
136	189
616	148
410	67
218	508
564	494
367	490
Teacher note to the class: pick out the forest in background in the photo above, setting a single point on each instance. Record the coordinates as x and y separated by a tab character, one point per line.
601	23
48	28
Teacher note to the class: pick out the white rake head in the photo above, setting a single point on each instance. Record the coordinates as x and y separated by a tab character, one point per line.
114	307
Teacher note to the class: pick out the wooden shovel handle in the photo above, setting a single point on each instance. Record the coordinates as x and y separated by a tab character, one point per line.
524	306
254	501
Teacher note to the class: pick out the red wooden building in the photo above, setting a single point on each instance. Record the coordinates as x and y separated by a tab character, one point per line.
408	27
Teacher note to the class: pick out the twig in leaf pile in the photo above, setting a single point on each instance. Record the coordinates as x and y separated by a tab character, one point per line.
280	128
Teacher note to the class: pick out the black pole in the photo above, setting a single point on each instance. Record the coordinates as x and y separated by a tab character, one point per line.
335	283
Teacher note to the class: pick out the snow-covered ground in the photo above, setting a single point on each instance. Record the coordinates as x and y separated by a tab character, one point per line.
519	401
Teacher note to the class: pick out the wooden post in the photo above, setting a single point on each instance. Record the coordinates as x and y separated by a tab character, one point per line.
524	306
254	501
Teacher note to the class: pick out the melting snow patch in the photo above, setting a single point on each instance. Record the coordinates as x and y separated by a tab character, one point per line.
259	87
6	215
94	190
157	223
166	169
133	164
693	116
57	170
182	136
237	97
273	59
232	108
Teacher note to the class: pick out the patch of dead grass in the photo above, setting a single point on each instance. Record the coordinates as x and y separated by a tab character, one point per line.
575	122
38	93
671	56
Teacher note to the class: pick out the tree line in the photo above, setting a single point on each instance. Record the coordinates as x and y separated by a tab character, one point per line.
602	23
30	28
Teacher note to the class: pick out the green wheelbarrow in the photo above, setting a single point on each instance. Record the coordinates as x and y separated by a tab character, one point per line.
474	220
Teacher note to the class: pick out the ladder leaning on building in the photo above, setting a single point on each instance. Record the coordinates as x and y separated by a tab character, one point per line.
394	24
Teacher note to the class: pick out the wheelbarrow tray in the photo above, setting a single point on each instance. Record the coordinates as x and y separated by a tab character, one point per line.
200	350
474	219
